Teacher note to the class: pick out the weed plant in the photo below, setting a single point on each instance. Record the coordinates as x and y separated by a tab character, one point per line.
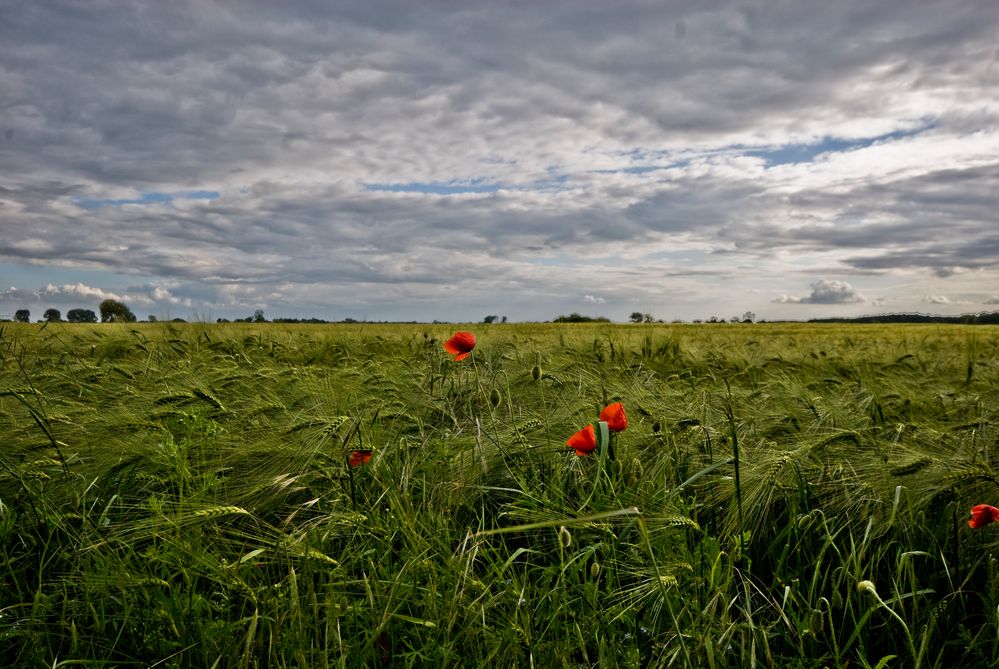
784	496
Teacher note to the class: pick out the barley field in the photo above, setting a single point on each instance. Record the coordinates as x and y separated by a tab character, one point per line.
783	495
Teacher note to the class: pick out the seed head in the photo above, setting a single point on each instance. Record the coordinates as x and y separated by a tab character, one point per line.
867	586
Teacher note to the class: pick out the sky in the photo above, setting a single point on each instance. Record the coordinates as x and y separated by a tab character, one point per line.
451	160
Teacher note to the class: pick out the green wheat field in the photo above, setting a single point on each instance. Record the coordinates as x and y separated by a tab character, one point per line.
785	495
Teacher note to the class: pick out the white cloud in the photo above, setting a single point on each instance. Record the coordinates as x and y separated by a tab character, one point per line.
825	292
78	294
58	293
944	300
594	299
72	290
162	294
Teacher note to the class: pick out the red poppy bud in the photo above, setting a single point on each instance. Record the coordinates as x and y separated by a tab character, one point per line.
460	345
583	442
613	414
358	458
982	515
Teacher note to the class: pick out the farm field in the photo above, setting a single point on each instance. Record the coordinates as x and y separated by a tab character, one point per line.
784	495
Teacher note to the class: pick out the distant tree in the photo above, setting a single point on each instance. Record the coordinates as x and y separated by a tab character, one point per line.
22	316
52	315
636	317
579	318
81	316
258	316
970	319
310	321
749	317
221	320
503	320
113	311
490	319
648	318
151	318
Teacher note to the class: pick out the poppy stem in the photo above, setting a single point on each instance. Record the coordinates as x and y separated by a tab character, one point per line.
355	429
602	433
350	480
735	452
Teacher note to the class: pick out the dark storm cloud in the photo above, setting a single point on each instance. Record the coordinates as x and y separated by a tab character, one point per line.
939	221
606	130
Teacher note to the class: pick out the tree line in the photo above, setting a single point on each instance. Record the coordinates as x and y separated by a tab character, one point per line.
114	311
111	311
983	318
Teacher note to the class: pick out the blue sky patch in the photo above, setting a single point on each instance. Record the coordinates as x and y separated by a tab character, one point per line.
436	187
199	195
644	169
806	153
147	198
466	186
29	277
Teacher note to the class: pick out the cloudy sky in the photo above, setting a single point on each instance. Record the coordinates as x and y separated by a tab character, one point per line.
449	160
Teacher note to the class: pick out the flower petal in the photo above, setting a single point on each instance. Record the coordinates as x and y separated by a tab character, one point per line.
583	442
358	458
460	344
982	515
613	414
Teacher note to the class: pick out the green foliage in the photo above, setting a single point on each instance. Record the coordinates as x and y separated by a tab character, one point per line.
81	316
113	311
639	317
784	496
579	318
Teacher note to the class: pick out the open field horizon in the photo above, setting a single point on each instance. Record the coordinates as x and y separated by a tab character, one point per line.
250	495
425	492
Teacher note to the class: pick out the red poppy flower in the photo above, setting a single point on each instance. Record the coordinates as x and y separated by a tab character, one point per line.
460	345
583	442
613	414
982	515
358	458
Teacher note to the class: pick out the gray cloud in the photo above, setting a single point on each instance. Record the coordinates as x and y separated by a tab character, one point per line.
68	291
826	292
945	300
79	293
647	140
